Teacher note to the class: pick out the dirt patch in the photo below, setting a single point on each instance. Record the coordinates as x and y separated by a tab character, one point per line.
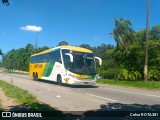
20	71
1	70
10	104
6	102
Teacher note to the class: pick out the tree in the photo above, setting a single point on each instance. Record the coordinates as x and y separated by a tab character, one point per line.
40	49
106	52
1	55
86	46
9	60
62	43
19	59
155	33
100	50
5	2
123	34
29	49
1	52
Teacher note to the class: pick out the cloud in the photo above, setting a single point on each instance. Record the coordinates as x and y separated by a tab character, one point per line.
32	28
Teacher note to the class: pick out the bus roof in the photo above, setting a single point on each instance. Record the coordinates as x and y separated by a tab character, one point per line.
79	49
73	48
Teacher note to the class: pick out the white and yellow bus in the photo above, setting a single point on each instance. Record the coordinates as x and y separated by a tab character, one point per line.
65	64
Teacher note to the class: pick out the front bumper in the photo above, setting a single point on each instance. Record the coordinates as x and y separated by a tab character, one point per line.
84	82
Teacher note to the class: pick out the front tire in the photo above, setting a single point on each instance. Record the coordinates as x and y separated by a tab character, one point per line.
59	80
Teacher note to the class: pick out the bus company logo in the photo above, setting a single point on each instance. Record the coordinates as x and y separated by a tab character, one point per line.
6	114
38	66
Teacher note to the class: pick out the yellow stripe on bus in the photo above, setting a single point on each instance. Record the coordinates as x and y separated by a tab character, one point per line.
79	49
81	76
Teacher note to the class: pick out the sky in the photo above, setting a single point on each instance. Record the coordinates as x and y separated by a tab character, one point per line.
75	21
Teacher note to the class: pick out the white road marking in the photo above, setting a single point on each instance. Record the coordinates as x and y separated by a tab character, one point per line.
102	97
58	96
152	95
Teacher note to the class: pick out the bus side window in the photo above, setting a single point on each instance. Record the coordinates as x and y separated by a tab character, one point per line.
58	56
51	57
47	58
31	60
40	58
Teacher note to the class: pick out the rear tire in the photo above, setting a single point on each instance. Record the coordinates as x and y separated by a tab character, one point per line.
59	80
35	76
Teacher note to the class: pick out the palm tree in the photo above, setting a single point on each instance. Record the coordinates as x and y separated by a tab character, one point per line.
120	33
1	52
5	2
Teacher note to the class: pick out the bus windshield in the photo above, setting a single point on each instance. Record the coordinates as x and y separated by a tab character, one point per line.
83	63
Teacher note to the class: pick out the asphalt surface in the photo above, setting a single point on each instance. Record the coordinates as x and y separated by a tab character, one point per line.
87	98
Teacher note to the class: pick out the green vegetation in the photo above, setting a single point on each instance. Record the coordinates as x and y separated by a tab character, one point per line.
23	97
152	85
19	59
0	105
19	73
125	61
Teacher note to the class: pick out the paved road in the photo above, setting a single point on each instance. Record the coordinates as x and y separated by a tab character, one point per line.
100	97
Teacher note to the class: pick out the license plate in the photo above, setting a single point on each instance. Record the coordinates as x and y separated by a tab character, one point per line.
85	82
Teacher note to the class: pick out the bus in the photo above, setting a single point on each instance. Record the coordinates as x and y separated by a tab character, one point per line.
65	64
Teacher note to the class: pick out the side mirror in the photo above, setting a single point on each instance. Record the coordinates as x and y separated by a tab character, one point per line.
99	59
70	56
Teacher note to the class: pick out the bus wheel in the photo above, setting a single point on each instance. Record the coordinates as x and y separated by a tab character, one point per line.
59	80
35	76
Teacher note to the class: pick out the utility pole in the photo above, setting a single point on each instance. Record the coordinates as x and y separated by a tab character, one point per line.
146	53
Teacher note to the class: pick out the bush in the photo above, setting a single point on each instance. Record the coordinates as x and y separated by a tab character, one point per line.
122	74
109	73
154	75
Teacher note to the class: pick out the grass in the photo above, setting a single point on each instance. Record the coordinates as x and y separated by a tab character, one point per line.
30	102
151	85
19	73
23	97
